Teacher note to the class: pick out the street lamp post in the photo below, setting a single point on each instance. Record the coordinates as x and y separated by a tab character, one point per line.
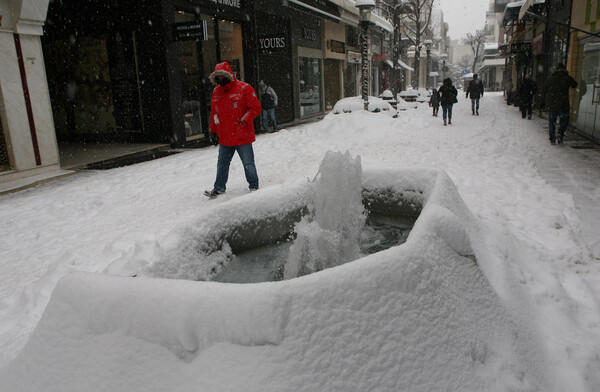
444	67
428	44
364	8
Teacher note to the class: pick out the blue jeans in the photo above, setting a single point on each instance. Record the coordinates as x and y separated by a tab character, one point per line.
447	111
564	122
474	104
225	155
266	114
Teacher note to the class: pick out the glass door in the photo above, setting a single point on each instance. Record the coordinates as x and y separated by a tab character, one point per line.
588	113
204	41
310	85
195	46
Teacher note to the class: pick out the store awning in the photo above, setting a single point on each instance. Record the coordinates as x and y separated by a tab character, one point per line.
493	62
511	12
434	74
406	67
527	5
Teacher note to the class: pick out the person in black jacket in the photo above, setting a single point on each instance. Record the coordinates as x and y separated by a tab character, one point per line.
475	90
434	102
525	92
448	98
557	102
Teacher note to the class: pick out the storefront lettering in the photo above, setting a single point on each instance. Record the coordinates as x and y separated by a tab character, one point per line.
272	43
520	47
230	3
309	34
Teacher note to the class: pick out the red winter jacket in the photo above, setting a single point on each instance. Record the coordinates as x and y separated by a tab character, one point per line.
231	106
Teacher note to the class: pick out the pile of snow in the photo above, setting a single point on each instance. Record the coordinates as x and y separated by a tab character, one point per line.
420	316
409	94
354	104
387	95
402	105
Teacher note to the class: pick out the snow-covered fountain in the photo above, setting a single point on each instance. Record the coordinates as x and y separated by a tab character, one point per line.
331	232
415	317
325	222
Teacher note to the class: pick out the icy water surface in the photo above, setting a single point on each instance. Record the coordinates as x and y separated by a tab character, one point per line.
265	264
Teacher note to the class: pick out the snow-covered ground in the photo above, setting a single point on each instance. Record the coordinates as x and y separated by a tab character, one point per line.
525	317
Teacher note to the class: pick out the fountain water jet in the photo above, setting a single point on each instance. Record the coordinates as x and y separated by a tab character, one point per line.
329	235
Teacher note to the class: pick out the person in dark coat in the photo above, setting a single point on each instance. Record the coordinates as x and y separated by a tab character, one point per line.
234	106
475	90
525	91
448	97
268	101
557	101
434	102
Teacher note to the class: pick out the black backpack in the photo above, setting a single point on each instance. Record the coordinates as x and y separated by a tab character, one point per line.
267	101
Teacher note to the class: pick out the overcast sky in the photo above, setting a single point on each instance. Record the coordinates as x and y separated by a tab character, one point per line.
464	16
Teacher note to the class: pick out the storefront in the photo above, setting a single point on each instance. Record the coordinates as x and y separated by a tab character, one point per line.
352	64
586	111
335	54
299	43
202	39
274	45
138	71
308	55
27	139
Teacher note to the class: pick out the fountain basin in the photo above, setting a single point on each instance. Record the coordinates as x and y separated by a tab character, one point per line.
200	251
388	320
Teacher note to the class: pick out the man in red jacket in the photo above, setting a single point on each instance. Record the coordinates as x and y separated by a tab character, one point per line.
233	108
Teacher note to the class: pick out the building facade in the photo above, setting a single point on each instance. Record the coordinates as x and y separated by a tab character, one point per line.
28	144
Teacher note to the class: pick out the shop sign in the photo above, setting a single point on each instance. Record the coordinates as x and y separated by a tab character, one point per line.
271	44
336	46
354	57
228	3
309	34
380	57
520	47
189	31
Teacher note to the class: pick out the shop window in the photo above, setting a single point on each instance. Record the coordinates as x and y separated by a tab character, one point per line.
230	38
310	85
375	81
351	36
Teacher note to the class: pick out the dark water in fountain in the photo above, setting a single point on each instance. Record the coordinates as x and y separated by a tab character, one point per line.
265	264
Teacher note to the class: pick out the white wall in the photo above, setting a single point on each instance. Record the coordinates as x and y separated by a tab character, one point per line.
25	19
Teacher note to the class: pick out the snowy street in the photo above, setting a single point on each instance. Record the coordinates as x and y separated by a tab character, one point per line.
537	204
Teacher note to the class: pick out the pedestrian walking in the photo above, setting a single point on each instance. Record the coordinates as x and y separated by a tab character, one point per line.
475	90
434	102
234	106
525	92
448	97
556	93
268	101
